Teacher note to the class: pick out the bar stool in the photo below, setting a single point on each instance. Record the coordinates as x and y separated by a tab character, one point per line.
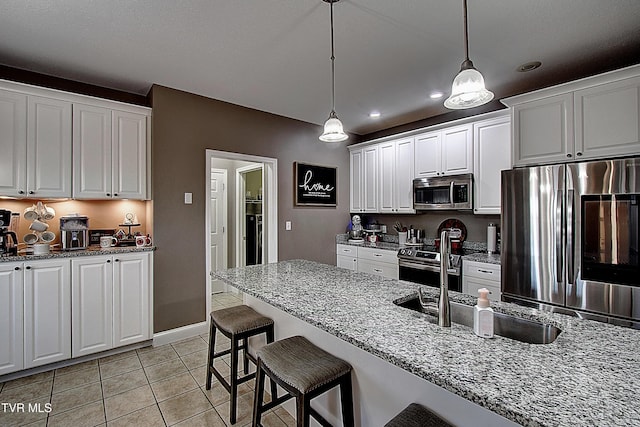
416	415
305	372
238	324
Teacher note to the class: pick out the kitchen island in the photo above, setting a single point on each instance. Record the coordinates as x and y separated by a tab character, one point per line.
587	376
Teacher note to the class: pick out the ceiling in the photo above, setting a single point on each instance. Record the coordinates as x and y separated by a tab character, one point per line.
274	55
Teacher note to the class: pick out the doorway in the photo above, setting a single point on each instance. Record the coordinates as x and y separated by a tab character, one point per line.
230	201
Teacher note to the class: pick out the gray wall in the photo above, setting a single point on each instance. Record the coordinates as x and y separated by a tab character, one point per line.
184	126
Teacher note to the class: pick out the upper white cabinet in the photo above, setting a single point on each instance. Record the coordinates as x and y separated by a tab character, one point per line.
492	154
444	152
35	138
396	176
109	153
364	180
40	129
593	118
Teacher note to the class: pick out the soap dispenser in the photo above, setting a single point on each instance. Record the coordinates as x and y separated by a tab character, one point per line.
483	315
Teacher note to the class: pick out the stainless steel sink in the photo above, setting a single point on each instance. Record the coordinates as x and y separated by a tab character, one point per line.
507	326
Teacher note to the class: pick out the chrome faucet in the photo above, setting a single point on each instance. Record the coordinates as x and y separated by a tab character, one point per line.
444	309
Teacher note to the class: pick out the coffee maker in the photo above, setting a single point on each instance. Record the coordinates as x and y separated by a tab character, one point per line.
8	239
74	232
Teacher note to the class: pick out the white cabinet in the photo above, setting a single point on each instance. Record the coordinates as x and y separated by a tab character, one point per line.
593	118
607	119
492	154
110	302
11	317
92	305
444	152
396	176
47	312
478	275
131	298
109	153
363	180
347	257
35	138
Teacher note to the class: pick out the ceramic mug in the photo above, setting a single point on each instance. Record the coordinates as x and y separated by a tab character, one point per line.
108	242
48	236
30	213
37	225
142	241
30	238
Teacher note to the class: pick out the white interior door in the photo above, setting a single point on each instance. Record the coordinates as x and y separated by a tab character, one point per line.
218	226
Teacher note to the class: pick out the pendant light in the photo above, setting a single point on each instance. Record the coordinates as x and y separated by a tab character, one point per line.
333	130
467	90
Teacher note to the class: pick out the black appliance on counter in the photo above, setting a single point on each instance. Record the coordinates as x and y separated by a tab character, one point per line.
8	239
422	265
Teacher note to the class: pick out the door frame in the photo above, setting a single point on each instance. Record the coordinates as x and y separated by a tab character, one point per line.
269	209
225	217
241	199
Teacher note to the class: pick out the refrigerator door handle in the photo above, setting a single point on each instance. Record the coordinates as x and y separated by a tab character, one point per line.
570	235
559	258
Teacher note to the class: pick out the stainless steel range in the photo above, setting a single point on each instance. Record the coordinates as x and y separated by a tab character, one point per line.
422	265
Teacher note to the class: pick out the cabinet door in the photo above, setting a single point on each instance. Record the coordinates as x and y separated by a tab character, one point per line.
47	312
48	148
131	320
543	131
387	176
129	155
11	317
344	261
370	179
13	144
404	172
355	181
492	154
607	119
428	161
457	150
92	305
91	152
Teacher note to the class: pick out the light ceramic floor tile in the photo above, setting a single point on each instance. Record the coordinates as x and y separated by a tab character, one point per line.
62	382
285	416
118	356
270	419
146	417
77	367
128	402
244	410
210	419
157	355
35	378
120	366
75	397
165	370
89	415
15	417
196	360
173	386
190	345
27	393
123	382
184	406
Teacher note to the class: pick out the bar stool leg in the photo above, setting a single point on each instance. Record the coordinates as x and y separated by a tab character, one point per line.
274	387
246	359
234	380
212	349
302	410
346	399
259	392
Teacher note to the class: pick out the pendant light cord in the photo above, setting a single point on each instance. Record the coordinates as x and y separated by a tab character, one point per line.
466	31
333	68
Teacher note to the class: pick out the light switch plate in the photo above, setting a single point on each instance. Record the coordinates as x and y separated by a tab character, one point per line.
188	198
287	225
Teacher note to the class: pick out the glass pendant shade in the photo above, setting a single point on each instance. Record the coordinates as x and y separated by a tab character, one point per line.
468	90
333	130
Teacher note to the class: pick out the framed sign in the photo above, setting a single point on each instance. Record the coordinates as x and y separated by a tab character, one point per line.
314	185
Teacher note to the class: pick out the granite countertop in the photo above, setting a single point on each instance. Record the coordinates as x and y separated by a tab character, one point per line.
483	257
90	251
587	376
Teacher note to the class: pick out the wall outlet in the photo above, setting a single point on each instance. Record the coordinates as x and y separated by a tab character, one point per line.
287	225
188	198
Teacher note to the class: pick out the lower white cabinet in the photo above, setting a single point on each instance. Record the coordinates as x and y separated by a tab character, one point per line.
110	302
11	317
381	262
478	275
47	312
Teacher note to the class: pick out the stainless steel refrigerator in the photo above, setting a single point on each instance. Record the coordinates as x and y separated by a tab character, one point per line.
570	239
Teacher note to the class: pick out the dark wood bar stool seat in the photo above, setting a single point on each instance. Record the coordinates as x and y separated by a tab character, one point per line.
305	372
238	324
416	415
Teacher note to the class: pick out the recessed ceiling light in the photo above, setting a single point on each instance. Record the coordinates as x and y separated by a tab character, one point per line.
436	95
374	114
529	66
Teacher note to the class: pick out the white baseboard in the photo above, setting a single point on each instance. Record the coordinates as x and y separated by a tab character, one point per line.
177	334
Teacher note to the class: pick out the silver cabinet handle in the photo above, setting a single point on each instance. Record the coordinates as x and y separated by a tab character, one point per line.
378	255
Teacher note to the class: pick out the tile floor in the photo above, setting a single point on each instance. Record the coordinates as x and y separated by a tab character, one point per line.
161	386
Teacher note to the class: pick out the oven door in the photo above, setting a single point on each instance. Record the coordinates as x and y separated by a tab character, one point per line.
425	274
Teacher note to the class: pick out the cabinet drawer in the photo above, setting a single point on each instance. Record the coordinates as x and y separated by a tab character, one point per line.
347	250
383	269
481	270
471	285
378	255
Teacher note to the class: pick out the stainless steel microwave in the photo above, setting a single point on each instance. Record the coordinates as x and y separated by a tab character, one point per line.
453	192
